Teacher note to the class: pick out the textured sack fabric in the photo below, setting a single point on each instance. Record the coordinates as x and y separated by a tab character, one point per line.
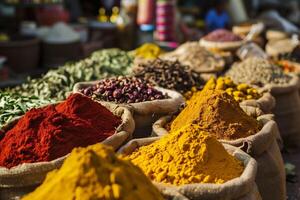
13	181
241	188
287	112
264	146
225	46
145	113
266	103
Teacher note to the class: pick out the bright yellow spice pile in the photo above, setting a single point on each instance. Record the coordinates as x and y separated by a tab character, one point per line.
95	173
187	156
239	92
217	113
148	51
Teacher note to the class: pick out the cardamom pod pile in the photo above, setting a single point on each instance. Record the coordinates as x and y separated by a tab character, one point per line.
58	83
14	105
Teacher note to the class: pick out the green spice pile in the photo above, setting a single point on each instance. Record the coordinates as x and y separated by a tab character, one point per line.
123	90
169	74
13	105
257	71
58	83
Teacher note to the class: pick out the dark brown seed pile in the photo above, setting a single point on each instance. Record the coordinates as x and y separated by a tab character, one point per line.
123	90
169	74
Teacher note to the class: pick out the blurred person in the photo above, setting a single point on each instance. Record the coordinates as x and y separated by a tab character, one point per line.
217	17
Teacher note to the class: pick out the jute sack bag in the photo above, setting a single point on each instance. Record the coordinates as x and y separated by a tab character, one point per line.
241	188
222	46
287	111
21	179
146	113
263	147
266	103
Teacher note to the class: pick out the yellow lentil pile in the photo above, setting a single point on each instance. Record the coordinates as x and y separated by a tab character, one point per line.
148	51
217	113
187	156
240	92
95	173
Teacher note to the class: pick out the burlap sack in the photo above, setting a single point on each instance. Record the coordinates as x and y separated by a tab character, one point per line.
264	147
287	111
241	188
266	103
222	46
23	178
146	113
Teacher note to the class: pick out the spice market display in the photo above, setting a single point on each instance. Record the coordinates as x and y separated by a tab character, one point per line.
112	110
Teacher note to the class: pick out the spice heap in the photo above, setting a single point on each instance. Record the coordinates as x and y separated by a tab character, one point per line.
14	105
293	56
257	71
57	84
148	51
47	133
239	92
196	57
280	47
187	156
222	35
217	113
288	66
123	90
95	172
169	74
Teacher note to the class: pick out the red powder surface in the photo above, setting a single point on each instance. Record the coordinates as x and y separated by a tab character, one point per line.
47	133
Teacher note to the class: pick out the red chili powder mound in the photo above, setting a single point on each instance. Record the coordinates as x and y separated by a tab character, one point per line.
47	133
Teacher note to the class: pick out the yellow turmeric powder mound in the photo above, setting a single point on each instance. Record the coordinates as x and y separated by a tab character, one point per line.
217	113
187	156
95	172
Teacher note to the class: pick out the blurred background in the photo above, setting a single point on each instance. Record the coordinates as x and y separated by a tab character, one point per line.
36	35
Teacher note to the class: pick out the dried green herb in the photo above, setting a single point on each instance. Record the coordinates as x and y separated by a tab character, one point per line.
57	84
13	105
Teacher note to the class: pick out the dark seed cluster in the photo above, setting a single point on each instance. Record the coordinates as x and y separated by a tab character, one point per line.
123	90
169	74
